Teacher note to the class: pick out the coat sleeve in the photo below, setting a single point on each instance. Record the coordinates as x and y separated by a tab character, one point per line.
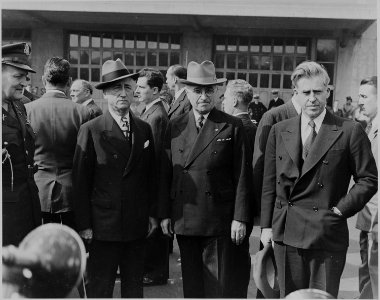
242	175
269	181
364	170
83	174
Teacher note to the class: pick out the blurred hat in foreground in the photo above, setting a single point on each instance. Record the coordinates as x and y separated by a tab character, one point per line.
17	55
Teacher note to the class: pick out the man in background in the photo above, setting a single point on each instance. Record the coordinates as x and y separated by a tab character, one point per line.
367	217
276	101
256	109
148	87
81	93
348	108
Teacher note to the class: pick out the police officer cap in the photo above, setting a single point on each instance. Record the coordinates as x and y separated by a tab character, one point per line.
17	55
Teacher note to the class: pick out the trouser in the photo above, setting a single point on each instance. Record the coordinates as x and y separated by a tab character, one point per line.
365	287
308	268
105	258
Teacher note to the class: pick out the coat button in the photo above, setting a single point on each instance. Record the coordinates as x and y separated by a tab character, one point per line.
115	156
326	162
278	182
26	152
208	193
280	157
185	171
315	208
214	152
290	203
320	185
180	150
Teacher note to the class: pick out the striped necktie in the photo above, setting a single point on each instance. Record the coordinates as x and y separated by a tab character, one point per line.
309	141
125	126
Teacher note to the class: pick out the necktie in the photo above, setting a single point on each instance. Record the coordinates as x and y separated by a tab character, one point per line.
368	128
125	126
200	122
309	141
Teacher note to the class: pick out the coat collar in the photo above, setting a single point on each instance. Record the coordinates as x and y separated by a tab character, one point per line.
151	110
177	102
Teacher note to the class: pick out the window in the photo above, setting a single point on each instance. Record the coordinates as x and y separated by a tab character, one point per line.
88	51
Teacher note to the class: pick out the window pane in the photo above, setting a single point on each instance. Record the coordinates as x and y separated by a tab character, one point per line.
118	41
129	58
83	74
287	84
74	57
242	76
84	41
277	60
219	74
253	79
231	43
140	58
230	75
219	60
326	50
73	73
300	59
243	44
254	62
73	40
107	42
84	57
278	46
265	62
267	47
152	59
140	41
117	55
330	71
301	46
95	41
95	75
289	48
164	41
175	42
129	41
264	80
220	43
163	59
242	61
174	58
288	63
231	61
95	57
276	81
255	45
152	41
107	55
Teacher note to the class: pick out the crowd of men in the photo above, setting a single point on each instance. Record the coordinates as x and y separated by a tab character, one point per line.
129	181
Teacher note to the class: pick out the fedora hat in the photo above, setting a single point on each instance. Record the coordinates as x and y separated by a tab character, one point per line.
114	70
201	74
17	55
265	272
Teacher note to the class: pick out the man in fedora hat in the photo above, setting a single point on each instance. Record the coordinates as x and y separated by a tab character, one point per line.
115	188
205	186
21	205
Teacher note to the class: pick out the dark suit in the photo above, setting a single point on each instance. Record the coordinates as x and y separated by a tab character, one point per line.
56	121
275	103
157	248
21	205
94	110
114	182
297	198
205	184
180	106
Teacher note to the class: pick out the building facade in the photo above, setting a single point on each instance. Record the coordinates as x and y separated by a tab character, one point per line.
259	41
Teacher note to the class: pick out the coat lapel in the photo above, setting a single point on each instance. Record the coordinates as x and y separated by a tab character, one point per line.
150	111
209	131
177	103
114	136
137	144
9	120
326	137
292	141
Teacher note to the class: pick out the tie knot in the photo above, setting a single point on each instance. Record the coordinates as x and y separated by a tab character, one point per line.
311	124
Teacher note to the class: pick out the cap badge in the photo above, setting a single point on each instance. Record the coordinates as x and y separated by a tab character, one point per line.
27	49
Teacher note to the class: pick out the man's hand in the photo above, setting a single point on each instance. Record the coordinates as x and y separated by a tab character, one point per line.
86	235
238	232
166	226
153	225
266	236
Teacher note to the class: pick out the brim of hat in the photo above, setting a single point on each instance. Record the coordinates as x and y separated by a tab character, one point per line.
20	66
102	85
217	82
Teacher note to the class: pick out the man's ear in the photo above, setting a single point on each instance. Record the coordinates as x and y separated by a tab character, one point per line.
155	91
235	102
43	80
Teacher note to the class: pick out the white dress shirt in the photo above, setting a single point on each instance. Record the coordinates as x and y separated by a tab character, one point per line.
118	120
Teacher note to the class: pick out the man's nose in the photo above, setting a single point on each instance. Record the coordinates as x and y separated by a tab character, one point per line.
123	92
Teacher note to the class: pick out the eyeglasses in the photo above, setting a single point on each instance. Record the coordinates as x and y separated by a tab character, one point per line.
208	90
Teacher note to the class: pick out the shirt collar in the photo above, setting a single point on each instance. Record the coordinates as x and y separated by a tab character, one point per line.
178	93
241	113
152	103
317	121
55	91
375	126
197	115
296	106
117	118
87	102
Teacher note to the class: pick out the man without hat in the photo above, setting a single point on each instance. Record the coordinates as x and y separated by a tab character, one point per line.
309	161
81	93
21	205
115	188
205	186
276	101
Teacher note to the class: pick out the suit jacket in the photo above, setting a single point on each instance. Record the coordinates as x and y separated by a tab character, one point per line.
205	177
56	121
21	205
94	110
270	118
114	179
297	197
367	216
250	130
273	103
180	106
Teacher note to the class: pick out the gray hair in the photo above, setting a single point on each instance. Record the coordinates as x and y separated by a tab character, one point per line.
85	85
309	69
241	89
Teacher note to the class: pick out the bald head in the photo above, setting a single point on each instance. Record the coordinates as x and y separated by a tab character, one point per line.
80	91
